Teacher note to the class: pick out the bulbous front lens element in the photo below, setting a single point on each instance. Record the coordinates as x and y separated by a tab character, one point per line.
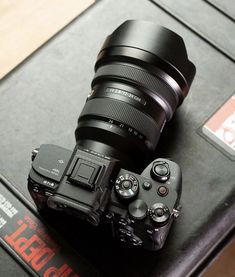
142	74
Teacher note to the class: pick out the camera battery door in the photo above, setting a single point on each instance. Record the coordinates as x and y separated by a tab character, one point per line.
143	217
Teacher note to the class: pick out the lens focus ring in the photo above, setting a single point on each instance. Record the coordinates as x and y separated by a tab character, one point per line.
161	91
123	112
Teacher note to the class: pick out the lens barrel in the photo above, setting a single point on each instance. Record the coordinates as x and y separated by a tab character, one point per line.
142	74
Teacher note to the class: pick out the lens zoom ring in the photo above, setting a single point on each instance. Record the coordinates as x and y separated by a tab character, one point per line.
144	79
124	113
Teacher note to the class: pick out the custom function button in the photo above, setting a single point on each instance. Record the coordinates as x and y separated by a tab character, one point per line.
126	186
124	232
162	191
122	222
160	171
146	185
36	189
109	216
136	241
159	213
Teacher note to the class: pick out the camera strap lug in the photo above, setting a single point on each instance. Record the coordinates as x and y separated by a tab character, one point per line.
176	211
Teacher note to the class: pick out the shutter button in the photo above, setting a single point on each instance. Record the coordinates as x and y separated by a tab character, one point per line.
160	171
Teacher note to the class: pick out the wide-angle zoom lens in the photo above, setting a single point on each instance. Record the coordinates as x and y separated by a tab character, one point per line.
142	74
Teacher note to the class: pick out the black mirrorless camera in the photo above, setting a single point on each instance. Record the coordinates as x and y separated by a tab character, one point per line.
142	75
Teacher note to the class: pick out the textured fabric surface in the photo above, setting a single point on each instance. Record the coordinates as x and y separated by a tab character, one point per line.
41	101
207	21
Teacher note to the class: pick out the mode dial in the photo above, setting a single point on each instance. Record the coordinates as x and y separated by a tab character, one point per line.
126	186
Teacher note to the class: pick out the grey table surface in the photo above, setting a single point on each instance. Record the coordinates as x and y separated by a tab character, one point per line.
41	99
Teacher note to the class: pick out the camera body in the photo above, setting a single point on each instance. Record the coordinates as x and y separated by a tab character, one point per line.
142	75
139	208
